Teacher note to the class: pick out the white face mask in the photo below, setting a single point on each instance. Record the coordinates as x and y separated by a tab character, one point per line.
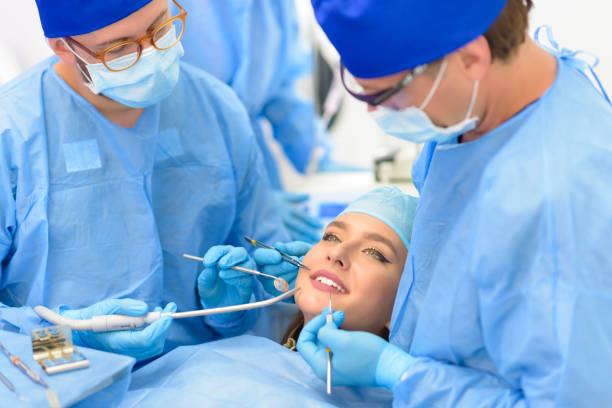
413	124
149	81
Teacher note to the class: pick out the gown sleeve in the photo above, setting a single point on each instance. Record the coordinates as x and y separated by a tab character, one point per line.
18	319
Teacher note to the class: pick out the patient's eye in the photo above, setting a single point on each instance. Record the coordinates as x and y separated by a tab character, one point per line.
376	254
328	236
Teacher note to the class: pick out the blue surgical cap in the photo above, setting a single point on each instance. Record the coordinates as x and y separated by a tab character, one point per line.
65	18
389	205
377	38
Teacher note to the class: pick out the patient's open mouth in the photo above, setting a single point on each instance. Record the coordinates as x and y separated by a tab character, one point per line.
328	282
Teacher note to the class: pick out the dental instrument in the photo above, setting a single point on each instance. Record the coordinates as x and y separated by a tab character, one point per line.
116	322
53	350
285	256
51	395
329	318
279	283
10	386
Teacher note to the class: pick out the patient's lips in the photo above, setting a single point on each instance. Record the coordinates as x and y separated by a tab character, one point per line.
327	281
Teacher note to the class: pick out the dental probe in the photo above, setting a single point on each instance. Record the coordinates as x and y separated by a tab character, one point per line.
329	318
285	256
116	322
11	387
279	283
32	375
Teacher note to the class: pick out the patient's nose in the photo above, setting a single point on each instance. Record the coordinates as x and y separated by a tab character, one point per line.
338	256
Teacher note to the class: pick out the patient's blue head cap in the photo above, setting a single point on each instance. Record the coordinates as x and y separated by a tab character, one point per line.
377	38
65	18
389	205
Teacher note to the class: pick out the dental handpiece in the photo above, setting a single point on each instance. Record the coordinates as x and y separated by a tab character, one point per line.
115	322
279	283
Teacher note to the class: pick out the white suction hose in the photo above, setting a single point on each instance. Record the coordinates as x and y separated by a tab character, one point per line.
116	322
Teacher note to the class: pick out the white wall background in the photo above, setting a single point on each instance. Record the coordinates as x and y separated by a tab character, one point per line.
580	25
22	43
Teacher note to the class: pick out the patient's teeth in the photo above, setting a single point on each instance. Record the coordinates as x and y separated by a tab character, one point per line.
330	282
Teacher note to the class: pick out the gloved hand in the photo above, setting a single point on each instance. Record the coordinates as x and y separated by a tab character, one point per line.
300	225
358	359
270	261
220	286
139	343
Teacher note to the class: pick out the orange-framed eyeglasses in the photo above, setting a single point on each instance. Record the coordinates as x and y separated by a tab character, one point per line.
125	54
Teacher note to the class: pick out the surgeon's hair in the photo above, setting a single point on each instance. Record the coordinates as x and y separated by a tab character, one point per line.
509	31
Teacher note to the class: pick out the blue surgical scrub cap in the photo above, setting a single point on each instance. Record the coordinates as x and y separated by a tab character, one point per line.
377	38
65	18
389	205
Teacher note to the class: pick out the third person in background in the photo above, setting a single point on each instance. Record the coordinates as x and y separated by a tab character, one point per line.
256	48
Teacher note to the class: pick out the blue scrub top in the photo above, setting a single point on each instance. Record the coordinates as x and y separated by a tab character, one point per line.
90	210
506	297
255	47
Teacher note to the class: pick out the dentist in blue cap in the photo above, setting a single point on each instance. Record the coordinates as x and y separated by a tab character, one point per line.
115	159
506	296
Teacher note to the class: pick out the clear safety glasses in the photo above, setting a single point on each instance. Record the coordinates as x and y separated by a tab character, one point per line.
375	99
124	54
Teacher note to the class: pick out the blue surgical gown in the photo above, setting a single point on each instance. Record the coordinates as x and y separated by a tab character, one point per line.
90	210
506	297
243	371
254	46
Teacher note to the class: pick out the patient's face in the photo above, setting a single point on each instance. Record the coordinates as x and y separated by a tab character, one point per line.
359	261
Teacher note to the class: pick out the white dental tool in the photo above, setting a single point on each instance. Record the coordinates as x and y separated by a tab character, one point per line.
329	318
116	322
279	283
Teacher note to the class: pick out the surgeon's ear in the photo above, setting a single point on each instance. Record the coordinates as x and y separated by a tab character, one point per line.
475	58
60	48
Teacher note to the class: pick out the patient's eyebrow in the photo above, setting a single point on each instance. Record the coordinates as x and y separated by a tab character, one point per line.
377	237
337	224
373	236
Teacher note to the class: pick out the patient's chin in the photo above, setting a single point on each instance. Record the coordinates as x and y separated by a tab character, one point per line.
310	304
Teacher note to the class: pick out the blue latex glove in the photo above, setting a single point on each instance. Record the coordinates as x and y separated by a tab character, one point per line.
140	343
358	359
270	261
219	286
300	225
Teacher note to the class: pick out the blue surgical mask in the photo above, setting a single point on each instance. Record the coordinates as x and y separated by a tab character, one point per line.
413	124
149	81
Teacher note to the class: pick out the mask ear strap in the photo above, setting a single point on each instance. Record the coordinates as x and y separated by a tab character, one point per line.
436	84
473	101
